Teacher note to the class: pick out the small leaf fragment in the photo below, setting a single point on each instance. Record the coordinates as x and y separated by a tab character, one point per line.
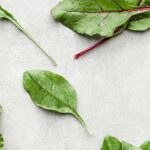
51	92
112	143
1	142
1	137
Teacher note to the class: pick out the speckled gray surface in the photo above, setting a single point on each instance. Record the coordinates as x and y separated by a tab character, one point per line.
112	82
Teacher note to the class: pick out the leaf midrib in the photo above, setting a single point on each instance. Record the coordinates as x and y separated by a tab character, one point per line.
146	8
49	92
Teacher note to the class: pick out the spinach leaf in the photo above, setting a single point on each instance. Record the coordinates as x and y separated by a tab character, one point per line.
1	142
103	17
4	14
112	143
51	92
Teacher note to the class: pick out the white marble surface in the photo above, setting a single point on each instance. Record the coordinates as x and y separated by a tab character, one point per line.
112	82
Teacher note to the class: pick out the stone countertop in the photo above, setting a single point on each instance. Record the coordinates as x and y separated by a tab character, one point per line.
112	82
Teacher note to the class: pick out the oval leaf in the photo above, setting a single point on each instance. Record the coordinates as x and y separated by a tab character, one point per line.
51	92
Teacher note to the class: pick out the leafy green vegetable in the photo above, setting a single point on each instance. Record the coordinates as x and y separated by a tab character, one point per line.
4	14
1	137
111	143
98	17
1	142
51	92
103	17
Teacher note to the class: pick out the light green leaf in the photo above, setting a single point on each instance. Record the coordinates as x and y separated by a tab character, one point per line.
140	22
4	14
97	17
51	92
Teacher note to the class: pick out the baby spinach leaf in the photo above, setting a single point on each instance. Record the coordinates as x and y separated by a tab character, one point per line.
1	142
103	17
4	14
51	92
112	143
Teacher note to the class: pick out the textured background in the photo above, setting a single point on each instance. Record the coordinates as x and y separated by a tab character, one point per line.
112	82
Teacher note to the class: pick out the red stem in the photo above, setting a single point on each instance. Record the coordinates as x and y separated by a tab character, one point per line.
146	8
101	41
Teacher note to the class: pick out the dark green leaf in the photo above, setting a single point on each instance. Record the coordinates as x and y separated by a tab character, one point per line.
1	142
101	17
51	92
1	137
4	14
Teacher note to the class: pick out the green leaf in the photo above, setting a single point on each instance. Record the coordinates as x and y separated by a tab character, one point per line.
1	138
112	143
140	22
127	146
51	92
1	142
4	14
98	17
145	145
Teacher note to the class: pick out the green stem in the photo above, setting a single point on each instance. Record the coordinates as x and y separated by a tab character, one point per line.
79	118
31	38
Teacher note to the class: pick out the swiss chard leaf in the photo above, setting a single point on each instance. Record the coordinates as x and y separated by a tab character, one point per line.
106	18
51	92
99	17
111	143
4	14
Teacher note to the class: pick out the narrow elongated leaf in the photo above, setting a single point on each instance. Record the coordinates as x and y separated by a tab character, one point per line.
101	17
51	92
4	14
